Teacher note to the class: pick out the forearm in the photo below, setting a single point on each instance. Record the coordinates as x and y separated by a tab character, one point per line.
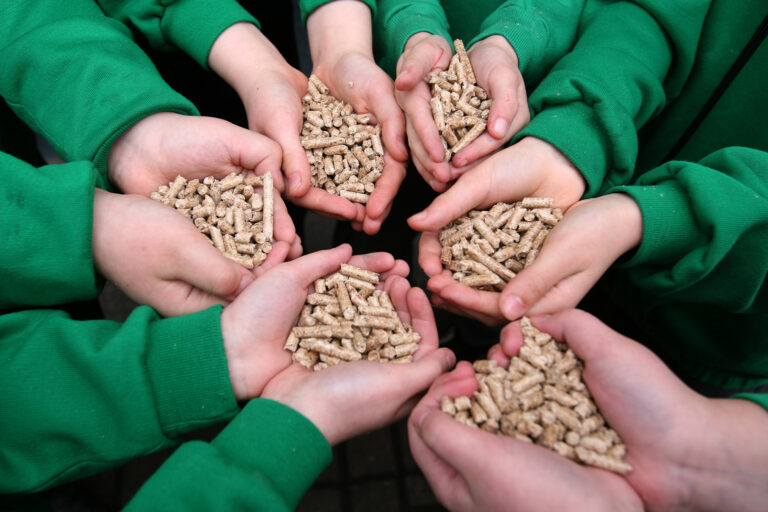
265	459
81	397
191	25
338	28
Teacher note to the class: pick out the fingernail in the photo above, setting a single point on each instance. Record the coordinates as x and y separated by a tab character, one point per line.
500	127
294	183
512	306
244	282
419	415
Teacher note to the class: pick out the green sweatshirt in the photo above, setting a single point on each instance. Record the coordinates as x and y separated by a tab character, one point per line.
81	397
307	6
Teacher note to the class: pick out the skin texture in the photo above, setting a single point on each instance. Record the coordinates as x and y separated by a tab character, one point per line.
353	398
531	167
157	257
340	41
496	69
255	325
161	146
688	452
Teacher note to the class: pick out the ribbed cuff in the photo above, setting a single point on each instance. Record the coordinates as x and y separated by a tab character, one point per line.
669	227
194	25
394	31
188	370
306	7
574	129
296	447
760	399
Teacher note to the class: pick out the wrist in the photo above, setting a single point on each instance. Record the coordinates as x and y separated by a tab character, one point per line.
565	173
339	28
500	42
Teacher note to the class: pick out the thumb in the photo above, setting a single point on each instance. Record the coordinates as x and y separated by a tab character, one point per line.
203	266
259	153
466	194
534	282
419	61
307	269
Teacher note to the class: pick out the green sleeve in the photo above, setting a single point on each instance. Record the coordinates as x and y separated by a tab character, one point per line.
397	20
540	31
76	77
46	216
705	230
265	459
630	58
307	6
190	25
82	397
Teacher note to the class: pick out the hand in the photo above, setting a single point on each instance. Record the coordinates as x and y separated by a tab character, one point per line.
688	452
494	62
158	257
351	398
340	42
424	53
592	235
255	326
271	91
469	469
531	167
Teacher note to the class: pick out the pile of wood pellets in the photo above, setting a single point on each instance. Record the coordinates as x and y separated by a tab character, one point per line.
486	248
230	212
348	319
541	399
344	151
460	107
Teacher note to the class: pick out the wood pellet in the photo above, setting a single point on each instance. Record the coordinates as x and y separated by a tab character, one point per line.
345	153
237	220
486	248
542	399
348	319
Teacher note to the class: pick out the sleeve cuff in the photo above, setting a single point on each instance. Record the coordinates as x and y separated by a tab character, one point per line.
188	371
573	128
294	445
669	227
194	25
307	6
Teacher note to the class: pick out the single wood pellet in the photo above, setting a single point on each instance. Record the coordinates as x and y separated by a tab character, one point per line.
486	248
542	399
344	152
460	107
237	220
348	319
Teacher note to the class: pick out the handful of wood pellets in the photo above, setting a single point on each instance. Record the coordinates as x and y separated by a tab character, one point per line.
486	248
541	399
460	107
230	212
344	151
348	319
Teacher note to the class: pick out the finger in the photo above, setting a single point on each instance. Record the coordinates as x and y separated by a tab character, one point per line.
373	261
296	249
203	266
441	303
485	303
419	112
419	60
324	203
511	339
182	299
371	226
307	269
484	145
260	154
422	319
430	250
503	87
386	187
397	289
277	255
283	224
285	131
495	353
400	268
392	120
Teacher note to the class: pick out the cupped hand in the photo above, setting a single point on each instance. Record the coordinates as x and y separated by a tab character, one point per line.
424	53
469	469
495	64
158	257
592	235
255	326
351	398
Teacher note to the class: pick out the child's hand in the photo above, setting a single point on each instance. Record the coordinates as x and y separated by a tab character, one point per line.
351	398
592	235
531	167
158	257
469	469
494	62
256	325
423	54
271	91
688	452
355	78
